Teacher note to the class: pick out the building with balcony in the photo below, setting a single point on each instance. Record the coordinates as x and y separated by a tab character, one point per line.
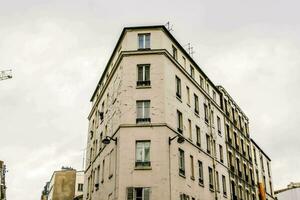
159	128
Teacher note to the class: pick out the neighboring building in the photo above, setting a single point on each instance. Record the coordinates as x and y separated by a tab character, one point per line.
66	184
160	129
292	192
263	175
2	181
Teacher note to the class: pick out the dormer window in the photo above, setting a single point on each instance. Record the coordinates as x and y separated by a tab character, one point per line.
144	40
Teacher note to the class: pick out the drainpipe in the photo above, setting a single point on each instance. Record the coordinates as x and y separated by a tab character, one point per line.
170	182
214	150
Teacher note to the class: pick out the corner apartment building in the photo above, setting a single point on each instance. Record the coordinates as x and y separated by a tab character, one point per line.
157	127
65	184
2	181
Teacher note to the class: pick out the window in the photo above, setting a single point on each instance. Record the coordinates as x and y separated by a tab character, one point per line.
212	118
200	168
80	187
268	167
196	104
224	185
201	81
207	88
198	134
142	154
206	113
179	122
143	111
190	129
188	95
219	124
174	52
144	41
208	145
181	163
192	71
138	193
178	87
97	178
103	170
214	95
221	153
111	163
192	168
143	75
184	62
254	152
211	179
217	182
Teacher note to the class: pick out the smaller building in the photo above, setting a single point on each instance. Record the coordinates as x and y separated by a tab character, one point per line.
2	181
292	192
65	184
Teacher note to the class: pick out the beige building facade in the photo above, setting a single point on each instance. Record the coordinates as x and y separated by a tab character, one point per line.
65	184
157	127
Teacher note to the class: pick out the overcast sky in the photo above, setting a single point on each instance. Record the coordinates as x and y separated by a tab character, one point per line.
58	49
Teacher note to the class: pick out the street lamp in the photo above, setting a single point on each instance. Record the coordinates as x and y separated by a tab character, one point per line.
107	140
180	139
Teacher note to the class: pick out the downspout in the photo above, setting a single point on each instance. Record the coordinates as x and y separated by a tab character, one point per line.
170	182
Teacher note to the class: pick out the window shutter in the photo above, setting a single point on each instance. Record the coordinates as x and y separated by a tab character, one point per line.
130	193
146	193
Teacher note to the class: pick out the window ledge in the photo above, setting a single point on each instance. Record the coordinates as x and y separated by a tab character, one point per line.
182	175
188	105
110	176
201	184
179	99
144	49
197	114
143	87
193	178
143	168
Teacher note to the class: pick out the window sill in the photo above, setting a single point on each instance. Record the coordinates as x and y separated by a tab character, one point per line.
188	105
179	98
193	178
197	114
182	175
110	176
225	196
143	49
143	168
143	87
201	184
211	189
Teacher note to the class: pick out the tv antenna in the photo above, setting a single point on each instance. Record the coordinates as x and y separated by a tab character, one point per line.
190	49
169	26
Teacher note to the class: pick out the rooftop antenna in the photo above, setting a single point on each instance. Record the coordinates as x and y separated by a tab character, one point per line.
190	49
169	26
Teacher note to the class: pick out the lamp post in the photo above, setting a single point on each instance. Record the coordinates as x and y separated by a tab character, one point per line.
180	140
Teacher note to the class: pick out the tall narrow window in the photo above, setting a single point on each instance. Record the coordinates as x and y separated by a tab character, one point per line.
103	170
192	168
179	122
200	167
212	117
217	182
207	88
208	145
219	124
142	154
214	95
206	113
188	95
198	133
221	153
192	71
201	81
143	75
224	185
174	52
143	111
111	163
184	62
178	87
144	41
190	129
196	104
181	162
211	179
